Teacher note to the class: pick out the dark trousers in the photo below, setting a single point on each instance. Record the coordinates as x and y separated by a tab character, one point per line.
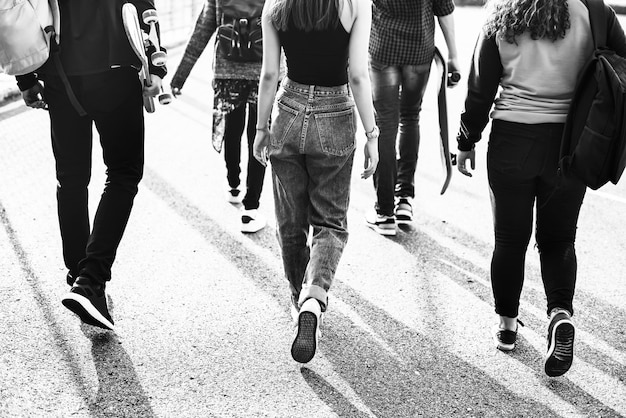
113	102
235	121
522	165
397	92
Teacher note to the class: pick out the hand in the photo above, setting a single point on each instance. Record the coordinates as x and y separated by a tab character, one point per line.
176	91
33	97
155	88
454	75
259	149
371	157
462	159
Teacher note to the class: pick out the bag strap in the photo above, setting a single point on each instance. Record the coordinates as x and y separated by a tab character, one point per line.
54	52
597	20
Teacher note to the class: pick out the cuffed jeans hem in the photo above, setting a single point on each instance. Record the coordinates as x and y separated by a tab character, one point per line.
315	292
508	313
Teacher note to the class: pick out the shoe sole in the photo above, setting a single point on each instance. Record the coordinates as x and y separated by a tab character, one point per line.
87	313
248	230
561	349
383	231
305	343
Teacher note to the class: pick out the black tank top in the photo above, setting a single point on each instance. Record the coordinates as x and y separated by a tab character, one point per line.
318	57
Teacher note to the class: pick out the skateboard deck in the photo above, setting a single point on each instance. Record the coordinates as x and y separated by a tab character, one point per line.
442	106
135	38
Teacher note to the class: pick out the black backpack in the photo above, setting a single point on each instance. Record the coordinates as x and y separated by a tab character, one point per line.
593	147
239	37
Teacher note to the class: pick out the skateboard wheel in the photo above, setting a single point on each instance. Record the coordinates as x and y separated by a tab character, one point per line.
150	16
159	58
165	98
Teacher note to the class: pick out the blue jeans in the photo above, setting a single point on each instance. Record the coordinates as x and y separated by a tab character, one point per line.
522	163
398	92
312	145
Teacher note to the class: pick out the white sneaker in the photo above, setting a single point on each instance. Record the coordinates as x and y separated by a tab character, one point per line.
252	221
234	196
307	332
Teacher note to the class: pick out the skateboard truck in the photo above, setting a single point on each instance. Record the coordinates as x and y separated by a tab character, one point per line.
158	57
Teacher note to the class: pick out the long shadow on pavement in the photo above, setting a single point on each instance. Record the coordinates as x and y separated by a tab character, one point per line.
120	393
388	384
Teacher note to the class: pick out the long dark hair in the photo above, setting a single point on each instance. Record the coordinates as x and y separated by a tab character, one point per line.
542	19
306	15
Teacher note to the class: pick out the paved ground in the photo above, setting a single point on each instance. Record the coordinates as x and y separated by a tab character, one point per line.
201	311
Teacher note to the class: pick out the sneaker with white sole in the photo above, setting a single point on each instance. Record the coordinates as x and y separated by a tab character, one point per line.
252	221
560	352
384	225
307	331
505	339
87	299
234	196
404	211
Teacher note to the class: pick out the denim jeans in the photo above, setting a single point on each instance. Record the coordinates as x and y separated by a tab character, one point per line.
235	120
113	102
398	92
522	163
312	145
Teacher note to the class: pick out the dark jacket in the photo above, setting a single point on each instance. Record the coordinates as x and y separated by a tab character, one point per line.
93	40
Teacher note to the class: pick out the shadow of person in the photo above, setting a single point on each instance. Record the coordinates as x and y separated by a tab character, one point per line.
120	393
330	396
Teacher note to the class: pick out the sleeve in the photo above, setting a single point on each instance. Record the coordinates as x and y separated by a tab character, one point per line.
483	82
204	29
26	81
443	7
143	5
616	40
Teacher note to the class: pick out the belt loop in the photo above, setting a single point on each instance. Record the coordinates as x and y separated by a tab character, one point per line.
311	92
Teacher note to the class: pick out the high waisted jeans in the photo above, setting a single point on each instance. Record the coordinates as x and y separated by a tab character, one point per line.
398	92
312	147
522	167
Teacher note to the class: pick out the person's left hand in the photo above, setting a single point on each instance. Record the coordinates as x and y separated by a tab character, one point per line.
462	159
33	97
155	88
259	149
371	157
454	75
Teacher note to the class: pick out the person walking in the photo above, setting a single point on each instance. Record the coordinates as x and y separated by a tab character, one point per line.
103	89
401	48
312	141
235	85
533	51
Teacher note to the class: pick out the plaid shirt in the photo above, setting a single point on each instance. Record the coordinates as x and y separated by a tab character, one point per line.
403	31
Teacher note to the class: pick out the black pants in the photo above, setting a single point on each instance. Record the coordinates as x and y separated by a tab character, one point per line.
235	121
522	167
113	102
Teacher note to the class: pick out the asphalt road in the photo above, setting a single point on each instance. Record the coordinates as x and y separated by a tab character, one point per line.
201	311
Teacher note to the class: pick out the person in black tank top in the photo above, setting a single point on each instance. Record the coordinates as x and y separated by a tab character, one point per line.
312	141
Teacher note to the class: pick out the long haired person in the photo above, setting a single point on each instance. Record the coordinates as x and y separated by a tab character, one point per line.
312	141
533	51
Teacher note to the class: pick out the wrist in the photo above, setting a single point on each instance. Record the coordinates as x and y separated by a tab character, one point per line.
373	134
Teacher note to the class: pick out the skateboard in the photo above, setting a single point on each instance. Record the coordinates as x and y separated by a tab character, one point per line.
447	158
139	41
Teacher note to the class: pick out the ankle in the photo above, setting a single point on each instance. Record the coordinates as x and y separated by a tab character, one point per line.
508	323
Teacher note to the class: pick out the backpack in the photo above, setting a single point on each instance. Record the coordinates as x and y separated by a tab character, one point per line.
26	29
593	147
239	37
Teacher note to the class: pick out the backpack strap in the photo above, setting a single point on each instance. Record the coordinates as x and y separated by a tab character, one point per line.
54	53
597	20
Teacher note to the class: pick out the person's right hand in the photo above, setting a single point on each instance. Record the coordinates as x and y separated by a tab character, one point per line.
371	158
462	159
33	97
176	91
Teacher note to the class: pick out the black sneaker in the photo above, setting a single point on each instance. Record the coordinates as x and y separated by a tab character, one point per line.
404	211
87	299
560	344
384	225
505	339
307	332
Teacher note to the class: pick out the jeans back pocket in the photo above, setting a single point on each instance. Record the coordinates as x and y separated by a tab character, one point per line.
337	131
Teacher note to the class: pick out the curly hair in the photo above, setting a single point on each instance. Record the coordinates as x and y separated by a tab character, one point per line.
542	19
